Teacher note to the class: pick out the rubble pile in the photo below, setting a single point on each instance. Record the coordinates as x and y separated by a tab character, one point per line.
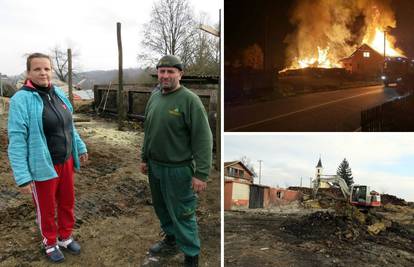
304	190
323	231
390	199
346	222
322	226
333	192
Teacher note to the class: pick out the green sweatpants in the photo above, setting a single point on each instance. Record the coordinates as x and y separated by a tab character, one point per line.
175	203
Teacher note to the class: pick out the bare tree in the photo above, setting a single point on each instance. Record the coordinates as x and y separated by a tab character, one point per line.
60	63
206	55
248	163
171	29
253	57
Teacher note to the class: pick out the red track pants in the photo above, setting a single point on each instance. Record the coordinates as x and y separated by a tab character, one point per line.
55	194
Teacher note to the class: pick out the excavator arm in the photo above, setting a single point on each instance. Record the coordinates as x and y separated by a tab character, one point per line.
334	179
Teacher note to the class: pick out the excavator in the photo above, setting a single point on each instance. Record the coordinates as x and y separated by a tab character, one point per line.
358	195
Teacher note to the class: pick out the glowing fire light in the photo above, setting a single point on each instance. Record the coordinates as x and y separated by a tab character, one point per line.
337	37
377	43
322	61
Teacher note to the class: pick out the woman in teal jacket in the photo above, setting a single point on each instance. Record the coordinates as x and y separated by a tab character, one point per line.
44	149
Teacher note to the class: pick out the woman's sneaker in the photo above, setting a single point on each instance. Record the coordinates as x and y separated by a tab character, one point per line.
70	245
54	254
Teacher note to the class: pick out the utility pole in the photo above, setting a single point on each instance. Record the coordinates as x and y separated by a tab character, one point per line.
385	54
310	182
301	181
217	33
260	171
385	41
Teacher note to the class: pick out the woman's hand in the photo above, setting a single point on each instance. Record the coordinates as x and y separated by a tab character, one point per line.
83	158
27	189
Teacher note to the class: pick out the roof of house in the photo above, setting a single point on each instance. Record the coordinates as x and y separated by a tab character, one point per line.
363	47
231	163
228	163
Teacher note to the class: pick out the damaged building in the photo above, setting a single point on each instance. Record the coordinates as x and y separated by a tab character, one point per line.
365	61
240	192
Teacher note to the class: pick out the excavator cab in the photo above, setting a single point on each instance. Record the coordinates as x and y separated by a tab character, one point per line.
361	195
358	195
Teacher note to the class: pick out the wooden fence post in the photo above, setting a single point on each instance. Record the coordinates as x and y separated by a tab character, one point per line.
218	108
70	77
121	109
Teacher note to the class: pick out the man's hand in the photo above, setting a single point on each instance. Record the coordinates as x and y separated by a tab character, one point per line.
198	185
144	168
83	158
27	189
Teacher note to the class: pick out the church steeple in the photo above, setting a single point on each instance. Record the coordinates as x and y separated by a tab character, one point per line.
319	168
319	163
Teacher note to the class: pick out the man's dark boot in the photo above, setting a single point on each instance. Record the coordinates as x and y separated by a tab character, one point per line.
191	261
165	246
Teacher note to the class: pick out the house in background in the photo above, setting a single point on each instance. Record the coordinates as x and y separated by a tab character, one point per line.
237	181
238	172
241	193
365	61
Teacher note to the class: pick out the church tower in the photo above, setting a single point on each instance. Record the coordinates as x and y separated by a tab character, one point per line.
318	174
319	169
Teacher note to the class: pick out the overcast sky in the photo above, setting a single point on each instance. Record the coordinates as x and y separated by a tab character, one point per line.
87	26
383	161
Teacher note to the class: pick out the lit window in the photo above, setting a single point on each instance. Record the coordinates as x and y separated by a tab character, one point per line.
366	54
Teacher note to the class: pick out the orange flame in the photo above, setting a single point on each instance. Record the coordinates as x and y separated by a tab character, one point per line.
321	61
335	46
377	43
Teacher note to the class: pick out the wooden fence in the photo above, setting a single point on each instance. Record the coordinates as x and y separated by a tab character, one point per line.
137	95
393	116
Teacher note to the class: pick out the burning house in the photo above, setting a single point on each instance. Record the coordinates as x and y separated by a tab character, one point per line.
351	35
365	61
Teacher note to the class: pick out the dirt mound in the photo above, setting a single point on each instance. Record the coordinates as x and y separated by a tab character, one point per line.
390	199
324	225
317	239
115	222
304	190
332	192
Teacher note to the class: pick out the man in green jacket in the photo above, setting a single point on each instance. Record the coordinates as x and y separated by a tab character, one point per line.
176	155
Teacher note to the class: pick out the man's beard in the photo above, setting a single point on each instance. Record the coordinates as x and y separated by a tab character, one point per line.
169	86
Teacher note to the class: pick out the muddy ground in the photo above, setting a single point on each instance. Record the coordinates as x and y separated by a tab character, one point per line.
337	236
115	222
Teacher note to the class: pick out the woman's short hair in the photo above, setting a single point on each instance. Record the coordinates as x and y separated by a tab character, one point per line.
36	55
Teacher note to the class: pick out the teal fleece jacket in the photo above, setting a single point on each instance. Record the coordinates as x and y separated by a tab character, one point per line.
28	152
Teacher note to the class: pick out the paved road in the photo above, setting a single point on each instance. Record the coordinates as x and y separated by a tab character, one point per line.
326	111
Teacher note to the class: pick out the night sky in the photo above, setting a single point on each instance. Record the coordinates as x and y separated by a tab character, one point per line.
246	21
